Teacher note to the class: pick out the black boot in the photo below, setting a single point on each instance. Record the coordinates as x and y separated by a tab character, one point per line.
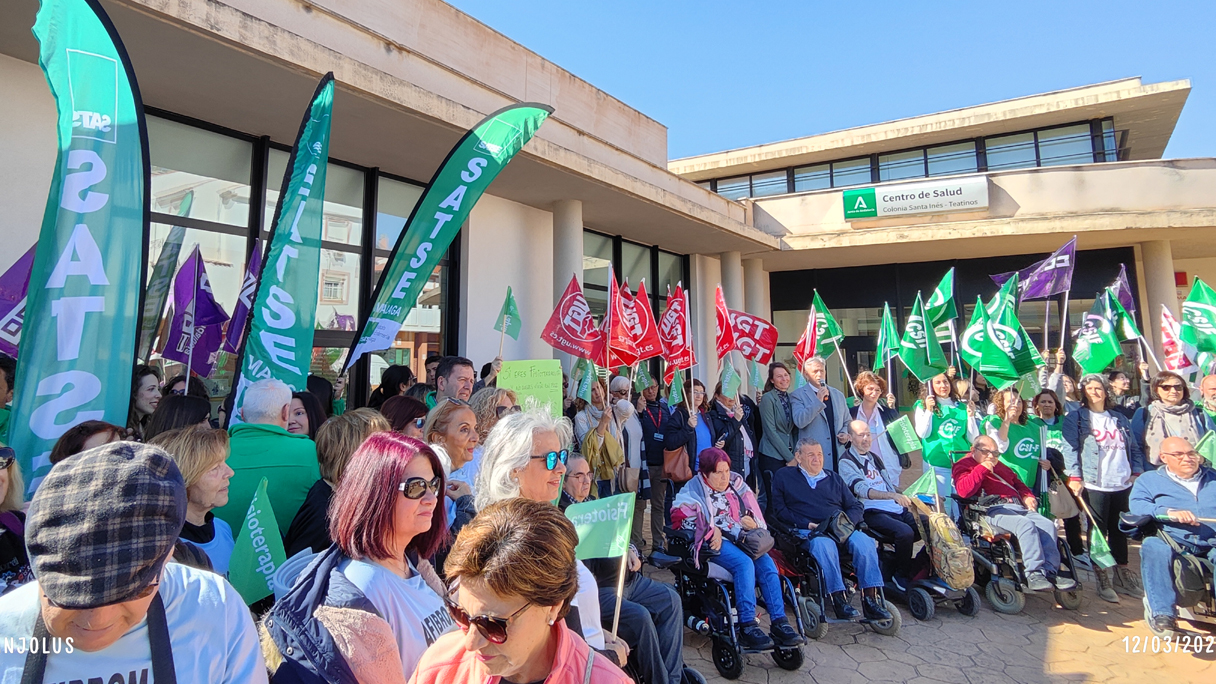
752	638
844	610
873	606
784	634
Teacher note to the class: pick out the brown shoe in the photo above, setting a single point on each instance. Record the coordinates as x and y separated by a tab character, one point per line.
1105	591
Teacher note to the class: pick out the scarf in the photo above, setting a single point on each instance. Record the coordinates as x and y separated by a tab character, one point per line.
692	503
1168	421
784	397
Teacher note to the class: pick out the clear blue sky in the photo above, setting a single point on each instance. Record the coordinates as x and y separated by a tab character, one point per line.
722	75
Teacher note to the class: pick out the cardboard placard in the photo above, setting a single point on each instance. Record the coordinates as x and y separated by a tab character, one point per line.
540	380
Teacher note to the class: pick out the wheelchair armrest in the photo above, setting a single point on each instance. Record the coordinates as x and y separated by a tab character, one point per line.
663	561
1138	526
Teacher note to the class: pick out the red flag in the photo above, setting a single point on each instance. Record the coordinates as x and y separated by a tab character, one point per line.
674	335
640	320
726	335
571	329
755	337
621	349
1176	358
805	348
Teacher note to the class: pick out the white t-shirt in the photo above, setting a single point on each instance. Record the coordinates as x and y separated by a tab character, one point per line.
210	631
412	609
587	600
875	482
1114	471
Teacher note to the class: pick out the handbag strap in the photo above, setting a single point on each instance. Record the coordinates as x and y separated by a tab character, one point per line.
590	664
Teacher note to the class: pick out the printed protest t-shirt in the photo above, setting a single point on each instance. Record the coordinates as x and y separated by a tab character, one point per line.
1114	472
210	631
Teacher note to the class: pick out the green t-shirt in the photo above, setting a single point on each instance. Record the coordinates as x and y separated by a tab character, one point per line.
949	433
287	461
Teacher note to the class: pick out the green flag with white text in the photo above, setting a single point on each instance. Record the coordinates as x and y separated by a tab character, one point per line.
1007	353
675	393
940	308
827	331
1097	341
971	344
642	379
1198	326
279	342
888	339
508	317
919	349
1125	324
82	311
756	377
458	183
603	526
730	380
258	552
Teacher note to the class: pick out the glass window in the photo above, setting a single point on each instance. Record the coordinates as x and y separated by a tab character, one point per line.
597	257
1010	151
635	265
1067	145
215	168
950	159
735	188
422	331
708	185
394	203
899	165
338	291
223	258
1109	143
343	218
774	183
671	273
816	177
853	172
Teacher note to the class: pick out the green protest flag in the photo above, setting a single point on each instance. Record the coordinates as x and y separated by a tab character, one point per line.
1028	386
642	379
1099	550
1198	328
925	485
730	379
82	312
1007	353
1125	324
1097	343
590	375
756	378
920	351
603	526
675	393
157	293
888	339
476	160
827	331
1207	448
905	437
940	308
508	317
971	344
282	318
259	550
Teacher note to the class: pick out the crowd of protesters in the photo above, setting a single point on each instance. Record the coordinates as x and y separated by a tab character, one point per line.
435	551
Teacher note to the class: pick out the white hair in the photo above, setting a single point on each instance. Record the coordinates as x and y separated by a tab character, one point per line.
508	448
815	359
264	401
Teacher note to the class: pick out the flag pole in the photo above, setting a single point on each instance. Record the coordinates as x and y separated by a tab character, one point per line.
198	263
1149	350
502	337
845	366
958	358
620	592
1046	322
1064	320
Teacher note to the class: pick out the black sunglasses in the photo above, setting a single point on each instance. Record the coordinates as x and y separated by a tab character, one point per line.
494	629
7	456
553	457
419	422
506	410
415	487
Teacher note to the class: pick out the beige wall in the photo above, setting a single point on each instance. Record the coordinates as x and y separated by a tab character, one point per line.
27	139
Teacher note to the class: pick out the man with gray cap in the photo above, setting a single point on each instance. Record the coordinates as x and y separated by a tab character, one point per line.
105	605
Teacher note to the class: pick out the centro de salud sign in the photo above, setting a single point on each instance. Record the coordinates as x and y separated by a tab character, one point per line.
925	197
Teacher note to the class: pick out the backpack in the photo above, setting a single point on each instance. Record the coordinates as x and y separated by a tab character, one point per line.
950	555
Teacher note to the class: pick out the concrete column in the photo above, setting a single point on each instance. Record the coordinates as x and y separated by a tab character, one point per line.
705	276
1159	286
755	289
732	279
567	254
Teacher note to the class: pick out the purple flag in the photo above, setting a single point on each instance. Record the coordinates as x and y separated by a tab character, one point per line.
13	286
240	315
195	307
1123	291
1045	278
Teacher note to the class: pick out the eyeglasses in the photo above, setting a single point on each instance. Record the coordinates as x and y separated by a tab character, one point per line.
987	452
579	477
553	457
494	629
1192	454
620	392
178	392
7	456
506	410
1172	388
415	487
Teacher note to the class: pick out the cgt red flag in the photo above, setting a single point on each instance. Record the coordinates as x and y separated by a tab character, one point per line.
640	321
674	335
571	329
755	337
726	334
805	348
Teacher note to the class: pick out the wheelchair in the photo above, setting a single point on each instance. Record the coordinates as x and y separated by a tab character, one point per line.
1198	605
796	564
708	597
998	561
925	593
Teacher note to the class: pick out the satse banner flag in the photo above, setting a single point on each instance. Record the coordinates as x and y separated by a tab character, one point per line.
84	297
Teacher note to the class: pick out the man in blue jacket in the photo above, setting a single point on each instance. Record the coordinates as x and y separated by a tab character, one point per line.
805	496
1180	493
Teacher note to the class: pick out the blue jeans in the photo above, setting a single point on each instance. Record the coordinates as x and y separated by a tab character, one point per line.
1156	557
747	572
865	561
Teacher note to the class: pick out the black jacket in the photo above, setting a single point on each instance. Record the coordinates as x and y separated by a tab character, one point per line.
795	504
728	429
654	422
680	434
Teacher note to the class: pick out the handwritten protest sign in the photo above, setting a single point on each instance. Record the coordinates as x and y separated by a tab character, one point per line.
540	380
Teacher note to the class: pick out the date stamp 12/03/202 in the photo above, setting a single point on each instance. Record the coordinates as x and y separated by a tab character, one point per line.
1171	643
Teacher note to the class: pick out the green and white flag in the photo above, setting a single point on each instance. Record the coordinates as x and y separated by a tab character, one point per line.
1125	324
1099	550
603	526
827	331
940	308
919	350
971	344
279	342
1207	447
642	378
904	435
83	308
1007	353
508	317
590	375
1097	341
157	293
1198	328
730	379
756	378
925	485
675	393
458	183
258	552
888	339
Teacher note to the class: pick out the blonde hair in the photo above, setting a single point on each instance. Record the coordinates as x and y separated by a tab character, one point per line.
14	498
440	417
340	436
195	449
485	407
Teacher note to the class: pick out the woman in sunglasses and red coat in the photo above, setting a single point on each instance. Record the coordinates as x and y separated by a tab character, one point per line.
385	519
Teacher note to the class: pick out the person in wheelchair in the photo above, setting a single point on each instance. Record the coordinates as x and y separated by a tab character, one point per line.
885	510
720	509
1182	489
806	498
981	474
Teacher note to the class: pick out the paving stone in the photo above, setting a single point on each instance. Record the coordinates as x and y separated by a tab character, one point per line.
886	671
836	675
863	654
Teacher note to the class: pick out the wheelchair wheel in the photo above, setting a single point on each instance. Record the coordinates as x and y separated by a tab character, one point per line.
727	659
788	658
692	676
969	605
889	627
920	603
1069	600
1004	597
814	627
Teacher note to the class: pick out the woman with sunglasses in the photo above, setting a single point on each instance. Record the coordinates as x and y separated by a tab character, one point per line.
1171	414
384	520
1103	462
514	577
406	415
14	562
